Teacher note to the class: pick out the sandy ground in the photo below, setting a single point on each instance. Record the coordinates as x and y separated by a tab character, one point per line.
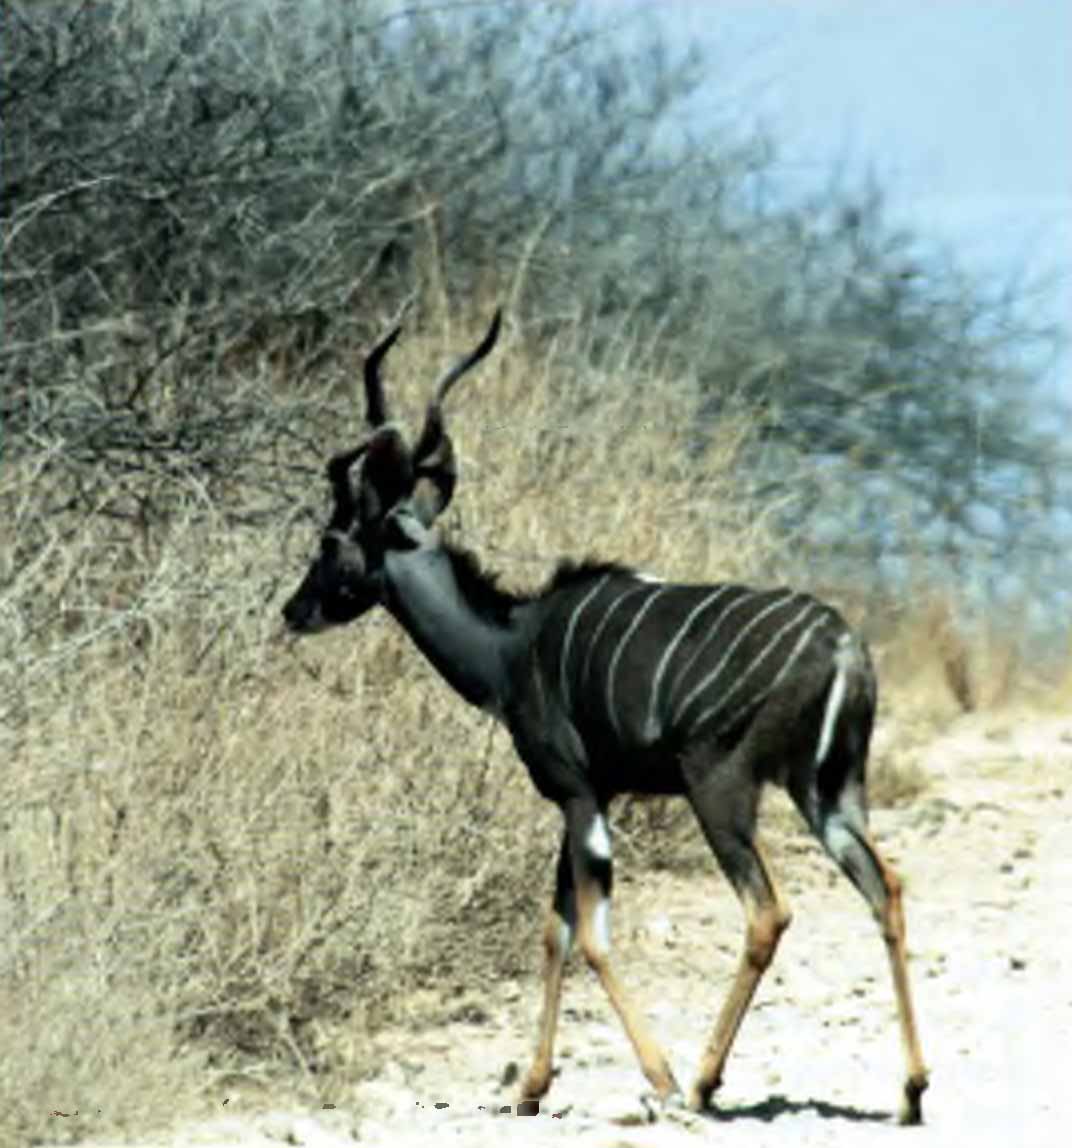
986	856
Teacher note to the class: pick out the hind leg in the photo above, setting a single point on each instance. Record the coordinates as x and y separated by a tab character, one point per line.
726	808
842	828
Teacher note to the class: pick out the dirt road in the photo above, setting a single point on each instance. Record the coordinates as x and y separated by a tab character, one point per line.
986	855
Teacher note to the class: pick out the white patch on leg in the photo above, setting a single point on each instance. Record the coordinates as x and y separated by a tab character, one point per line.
597	843
837	838
601	925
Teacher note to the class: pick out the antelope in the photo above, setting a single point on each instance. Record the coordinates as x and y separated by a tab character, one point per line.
610	682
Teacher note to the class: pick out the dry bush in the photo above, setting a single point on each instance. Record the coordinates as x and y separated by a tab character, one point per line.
226	854
925	658
942	657
1059	695
895	778
229	857
659	833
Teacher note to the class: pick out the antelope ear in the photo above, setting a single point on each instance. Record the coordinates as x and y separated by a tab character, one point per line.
386	472
435	484
434	465
338	472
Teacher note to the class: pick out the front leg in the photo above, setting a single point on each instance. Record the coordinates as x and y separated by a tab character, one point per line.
590	854
558	939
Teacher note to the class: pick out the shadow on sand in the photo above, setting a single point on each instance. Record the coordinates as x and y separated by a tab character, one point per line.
775	1106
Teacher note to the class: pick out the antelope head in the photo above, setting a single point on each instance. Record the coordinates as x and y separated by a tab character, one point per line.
385	495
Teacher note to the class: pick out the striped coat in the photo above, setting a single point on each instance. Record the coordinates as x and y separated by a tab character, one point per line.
625	673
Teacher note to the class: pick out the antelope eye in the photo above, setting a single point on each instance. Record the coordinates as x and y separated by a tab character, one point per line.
351	559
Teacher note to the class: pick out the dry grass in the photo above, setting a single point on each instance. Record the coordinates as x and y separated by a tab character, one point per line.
938	660
227	856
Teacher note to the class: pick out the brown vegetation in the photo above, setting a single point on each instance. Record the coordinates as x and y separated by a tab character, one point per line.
226	858
227	852
227	855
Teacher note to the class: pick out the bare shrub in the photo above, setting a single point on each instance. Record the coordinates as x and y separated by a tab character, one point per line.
241	854
223	855
196	190
895	778
948	641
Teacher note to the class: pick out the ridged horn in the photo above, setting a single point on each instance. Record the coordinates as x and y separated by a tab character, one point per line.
339	474
375	403
434	465
432	432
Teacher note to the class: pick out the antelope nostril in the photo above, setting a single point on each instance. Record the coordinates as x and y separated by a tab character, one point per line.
303	614
295	613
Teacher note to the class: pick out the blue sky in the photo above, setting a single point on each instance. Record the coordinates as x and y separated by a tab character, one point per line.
963	108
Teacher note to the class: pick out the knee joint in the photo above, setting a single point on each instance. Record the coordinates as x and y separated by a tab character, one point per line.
763	935
595	958
594	933
557	939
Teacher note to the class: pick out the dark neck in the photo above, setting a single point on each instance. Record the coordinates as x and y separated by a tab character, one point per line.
467	628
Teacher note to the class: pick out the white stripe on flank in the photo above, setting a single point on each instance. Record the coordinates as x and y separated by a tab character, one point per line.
597	633
597	843
834	698
652	728
567	641
742	633
757	660
683	673
787	666
612	667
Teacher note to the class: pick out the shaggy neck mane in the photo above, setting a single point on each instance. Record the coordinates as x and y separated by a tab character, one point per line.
481	589
569	573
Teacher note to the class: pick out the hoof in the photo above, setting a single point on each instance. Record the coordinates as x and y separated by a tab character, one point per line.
534	1086
912	1102
700	1096
662	1106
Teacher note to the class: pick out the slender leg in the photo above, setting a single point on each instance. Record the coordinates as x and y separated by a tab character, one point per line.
557	939
844	833
590	854
767	917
